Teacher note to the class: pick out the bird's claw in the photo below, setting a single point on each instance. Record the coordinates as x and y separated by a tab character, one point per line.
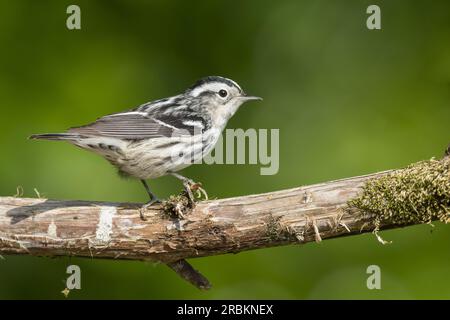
146	206
191	186
197	187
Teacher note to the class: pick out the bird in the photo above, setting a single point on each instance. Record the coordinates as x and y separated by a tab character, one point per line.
164	136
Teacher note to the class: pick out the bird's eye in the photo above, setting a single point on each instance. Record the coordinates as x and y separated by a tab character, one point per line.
223	93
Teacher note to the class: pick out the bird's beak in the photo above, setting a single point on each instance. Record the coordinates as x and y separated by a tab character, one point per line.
246	97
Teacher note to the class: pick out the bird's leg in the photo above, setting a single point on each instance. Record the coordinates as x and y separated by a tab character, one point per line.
189	186
153	199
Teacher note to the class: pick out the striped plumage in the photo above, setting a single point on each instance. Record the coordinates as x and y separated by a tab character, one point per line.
147	142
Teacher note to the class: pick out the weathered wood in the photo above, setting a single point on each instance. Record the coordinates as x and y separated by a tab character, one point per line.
114	230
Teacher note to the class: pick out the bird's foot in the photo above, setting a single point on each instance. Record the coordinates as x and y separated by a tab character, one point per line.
191	187
198	189
146	206
180	205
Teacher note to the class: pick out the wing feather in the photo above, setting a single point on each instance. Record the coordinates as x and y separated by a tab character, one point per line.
134	126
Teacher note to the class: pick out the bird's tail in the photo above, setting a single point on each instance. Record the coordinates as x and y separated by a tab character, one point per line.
55	136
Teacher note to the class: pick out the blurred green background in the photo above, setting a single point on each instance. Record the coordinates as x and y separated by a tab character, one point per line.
347	100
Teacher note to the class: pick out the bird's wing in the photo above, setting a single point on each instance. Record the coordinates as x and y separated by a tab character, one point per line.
136	126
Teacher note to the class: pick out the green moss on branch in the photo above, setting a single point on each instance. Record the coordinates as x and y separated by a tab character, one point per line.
419	193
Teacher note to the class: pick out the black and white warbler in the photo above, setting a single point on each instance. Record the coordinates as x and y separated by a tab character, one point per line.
163	136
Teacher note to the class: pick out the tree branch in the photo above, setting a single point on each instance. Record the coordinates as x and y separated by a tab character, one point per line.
313	213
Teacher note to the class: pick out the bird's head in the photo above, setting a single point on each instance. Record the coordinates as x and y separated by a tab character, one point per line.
220	95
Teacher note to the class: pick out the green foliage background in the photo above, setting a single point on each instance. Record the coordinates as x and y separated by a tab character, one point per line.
347	101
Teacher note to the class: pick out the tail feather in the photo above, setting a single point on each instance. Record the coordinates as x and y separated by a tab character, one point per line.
54	136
